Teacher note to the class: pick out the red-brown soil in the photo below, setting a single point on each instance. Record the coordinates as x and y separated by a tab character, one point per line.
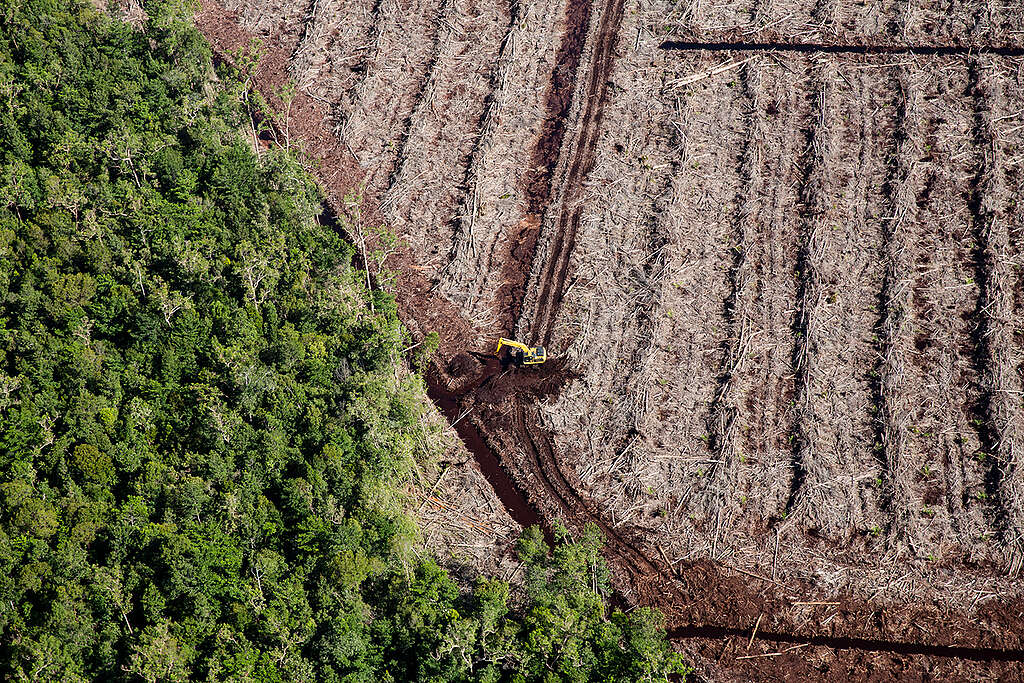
782	290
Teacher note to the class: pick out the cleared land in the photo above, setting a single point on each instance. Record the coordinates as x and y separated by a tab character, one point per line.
781	269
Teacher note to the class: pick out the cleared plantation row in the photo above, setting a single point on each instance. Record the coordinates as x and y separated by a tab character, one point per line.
643	248
838	277
358	60
283	21
418	91
999	358
420	94
492	220
393	83
757	382
429	184
1006	130
944	300
724	437
894	338
330	58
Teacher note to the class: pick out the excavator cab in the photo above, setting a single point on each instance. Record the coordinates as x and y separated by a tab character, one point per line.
523	354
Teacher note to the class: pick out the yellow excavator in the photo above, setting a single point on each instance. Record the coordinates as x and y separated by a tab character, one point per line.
523	354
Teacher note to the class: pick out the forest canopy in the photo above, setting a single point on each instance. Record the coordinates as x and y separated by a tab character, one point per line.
205	420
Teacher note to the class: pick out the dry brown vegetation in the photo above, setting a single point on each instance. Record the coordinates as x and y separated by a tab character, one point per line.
784	289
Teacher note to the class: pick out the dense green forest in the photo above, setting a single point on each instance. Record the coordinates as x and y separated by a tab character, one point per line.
203	435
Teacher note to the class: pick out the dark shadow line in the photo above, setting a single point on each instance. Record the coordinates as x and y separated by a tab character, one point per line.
937	50
983	654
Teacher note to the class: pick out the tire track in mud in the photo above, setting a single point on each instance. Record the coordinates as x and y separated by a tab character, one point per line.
553	278
558	101
542	454
551	271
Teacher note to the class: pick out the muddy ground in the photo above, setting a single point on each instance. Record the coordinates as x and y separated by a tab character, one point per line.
775	251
